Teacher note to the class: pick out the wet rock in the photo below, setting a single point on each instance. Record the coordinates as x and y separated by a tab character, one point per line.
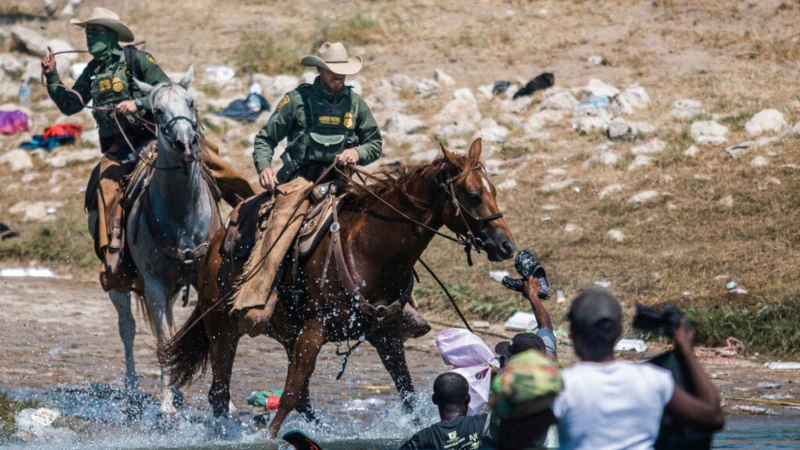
759	161
765	121
610	189
556	185
691	151
443	79
600	89
639	162
616	235
490	131
686	108
17	160
650	148
401	123
644	196
63	157
708	132
35	211
557	99
541	119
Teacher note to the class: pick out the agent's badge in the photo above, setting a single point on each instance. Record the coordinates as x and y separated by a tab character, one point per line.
116	84
348	120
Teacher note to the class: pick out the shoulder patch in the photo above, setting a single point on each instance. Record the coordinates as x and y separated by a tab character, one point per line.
284	101
150	58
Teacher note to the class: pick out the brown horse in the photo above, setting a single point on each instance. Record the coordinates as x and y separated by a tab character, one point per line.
380	248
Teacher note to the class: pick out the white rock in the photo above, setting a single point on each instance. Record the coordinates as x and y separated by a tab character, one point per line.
90	138
550	207
516	106
9	90
572	228
454	130
686	109
507	184
485	91
727	201
459	110
64	60
650	148
557	99
632	98
610	189
738	150
604	158
464	94
644	196
401	123
402	80
443	79
11	66
426	156
585	125
556	185
600	89
595	59
218	75
616	235
17	159
490	131
428	84
759	161
768	120
542	119
63	157
556	171
274	88
708	132
620	128
639	162
691	151
35	211
28	40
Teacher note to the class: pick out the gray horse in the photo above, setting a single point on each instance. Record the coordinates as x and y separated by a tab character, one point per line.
182	215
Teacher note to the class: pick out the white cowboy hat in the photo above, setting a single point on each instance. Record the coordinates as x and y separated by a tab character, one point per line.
108	19
335	58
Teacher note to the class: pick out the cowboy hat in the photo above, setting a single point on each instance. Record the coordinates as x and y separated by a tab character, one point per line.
334	57
108	19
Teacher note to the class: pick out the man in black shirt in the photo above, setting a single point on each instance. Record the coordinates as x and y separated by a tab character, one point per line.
456	431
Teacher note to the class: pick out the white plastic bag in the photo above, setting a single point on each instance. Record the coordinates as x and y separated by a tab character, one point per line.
471	358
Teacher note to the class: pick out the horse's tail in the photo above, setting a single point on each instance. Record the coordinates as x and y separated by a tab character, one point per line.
187	353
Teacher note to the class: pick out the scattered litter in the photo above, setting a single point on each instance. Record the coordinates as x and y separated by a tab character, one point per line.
687	294
595	59
269	399
577	189
591	106
560	298
734	288
541	82
18	272
772	396
783	365
12	122
768	385
246	110
472	359
6	232
481	324
755	409
732	348
602	283
500	87
630	345
52	210
498	275
546	218
521	321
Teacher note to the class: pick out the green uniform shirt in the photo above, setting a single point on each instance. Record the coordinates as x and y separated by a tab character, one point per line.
106	83
344	113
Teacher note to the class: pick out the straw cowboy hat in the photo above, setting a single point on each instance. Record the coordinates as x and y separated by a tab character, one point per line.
334	57
108	19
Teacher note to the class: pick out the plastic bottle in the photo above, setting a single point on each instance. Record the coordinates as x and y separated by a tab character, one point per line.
591	106
25	93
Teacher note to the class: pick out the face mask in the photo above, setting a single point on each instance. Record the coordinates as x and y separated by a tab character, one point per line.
100	44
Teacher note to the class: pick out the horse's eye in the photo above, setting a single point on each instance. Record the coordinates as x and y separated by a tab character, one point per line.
158	111
474	198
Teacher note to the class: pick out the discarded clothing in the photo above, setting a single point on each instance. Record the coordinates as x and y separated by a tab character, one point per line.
540	83
6	232
246	110
48	144
500	87
260	398
63	129
12	122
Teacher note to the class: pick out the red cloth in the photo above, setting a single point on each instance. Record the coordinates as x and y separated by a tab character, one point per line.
63	129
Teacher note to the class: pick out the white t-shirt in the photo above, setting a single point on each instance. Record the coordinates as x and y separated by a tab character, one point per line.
616	405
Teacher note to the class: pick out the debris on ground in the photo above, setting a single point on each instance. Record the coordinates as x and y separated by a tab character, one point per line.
247	109
768	385
12	122
521	321
780	365
32	272
734	345
541	82
631	345
498	275
560	298
602	283
269	399
755	409
733	288
481	324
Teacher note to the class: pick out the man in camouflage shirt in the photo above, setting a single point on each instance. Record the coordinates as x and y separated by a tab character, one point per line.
108	82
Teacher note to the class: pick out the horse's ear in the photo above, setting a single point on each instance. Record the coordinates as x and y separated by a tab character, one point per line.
449	158
146	88
187	79
475	150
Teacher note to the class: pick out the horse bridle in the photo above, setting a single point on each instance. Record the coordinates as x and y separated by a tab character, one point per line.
169	132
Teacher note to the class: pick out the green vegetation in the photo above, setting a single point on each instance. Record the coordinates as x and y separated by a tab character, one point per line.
260	52
361	29
8	409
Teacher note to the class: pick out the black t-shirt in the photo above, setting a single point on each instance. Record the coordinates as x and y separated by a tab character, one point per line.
463	433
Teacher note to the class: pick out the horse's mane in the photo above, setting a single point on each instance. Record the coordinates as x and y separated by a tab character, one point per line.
397	180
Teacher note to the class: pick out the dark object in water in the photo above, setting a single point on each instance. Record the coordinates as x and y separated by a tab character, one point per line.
663	323
500	87
672	434
540	83
300	441
528	265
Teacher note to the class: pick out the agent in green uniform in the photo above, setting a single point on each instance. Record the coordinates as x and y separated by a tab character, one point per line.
323	122
108	82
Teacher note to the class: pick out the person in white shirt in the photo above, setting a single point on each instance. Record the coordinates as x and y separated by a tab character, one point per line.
612	404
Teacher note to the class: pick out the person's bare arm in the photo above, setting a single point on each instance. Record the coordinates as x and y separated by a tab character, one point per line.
703	410
530	289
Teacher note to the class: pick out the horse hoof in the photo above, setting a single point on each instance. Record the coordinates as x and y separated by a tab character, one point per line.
178	400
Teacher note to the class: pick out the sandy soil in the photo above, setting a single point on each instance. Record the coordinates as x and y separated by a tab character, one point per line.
59	333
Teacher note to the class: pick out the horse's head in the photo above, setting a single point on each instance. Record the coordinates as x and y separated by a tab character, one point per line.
175	116
470	205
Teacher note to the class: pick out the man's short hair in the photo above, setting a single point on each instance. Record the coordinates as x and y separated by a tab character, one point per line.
520	343
450	389
596	316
